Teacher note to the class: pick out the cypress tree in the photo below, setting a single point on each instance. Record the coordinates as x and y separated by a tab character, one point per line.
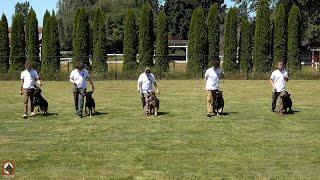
81	41
294	34
55	43
213	31
18	45
146	39
99	38
32	40
4	45
198	44
261	52
46	46
130	43
245	49
280	36
230	42
162	48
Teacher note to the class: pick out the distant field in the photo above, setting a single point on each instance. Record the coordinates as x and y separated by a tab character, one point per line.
249	142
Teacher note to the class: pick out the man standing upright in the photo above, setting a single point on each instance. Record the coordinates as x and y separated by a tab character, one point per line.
212	78
78	78
278	81
29	78
145	85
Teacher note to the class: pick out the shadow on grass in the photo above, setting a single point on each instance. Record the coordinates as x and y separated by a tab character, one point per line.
227	113
97	113
162	113
48	114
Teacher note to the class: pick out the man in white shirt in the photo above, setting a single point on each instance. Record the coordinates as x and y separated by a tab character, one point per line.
212	78
28	80
278	81
78	78
146	82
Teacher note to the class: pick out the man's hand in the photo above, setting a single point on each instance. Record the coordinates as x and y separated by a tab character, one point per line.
92	88
21	92
157	91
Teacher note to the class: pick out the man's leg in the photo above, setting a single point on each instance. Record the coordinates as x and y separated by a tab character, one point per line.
281	108
146	105
81	101
274	100
209	103
143	100
25	101
76	97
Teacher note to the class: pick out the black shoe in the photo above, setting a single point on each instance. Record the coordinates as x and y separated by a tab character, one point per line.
208	115
272	109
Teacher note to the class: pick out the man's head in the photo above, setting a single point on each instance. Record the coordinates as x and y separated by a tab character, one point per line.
216	62
80	66
280	65
147	70
28	65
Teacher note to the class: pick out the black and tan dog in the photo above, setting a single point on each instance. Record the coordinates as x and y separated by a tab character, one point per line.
219	103
90	104
287	103
39	102
153	102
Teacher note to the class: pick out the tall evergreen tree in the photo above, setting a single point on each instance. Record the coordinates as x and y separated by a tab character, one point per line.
162	47
18	45
4	45
55	42
280	36
213	31
198	44
32	40
81	41
146	36
261	52
245	49
130	43
294	39
99	64
46	47
230	42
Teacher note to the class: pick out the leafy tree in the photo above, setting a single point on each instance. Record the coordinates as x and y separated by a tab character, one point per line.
162	47
32	41
130	43
81	40
230	42
146	36
245	49
294	34
280	36
99	64
261	52
198	44
18	45
4	45
213	31
55	43
23	8
46	49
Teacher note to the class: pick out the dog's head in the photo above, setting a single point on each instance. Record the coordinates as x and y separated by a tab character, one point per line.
37	92
89	94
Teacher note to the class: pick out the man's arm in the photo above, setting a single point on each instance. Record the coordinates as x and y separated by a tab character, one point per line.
156	86
272	84
21	86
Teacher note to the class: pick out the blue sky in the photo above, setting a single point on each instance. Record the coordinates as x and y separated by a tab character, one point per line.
40	6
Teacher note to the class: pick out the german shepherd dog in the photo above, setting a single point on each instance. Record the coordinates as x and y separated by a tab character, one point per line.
287	103
90	104
219	103
153	103
39	102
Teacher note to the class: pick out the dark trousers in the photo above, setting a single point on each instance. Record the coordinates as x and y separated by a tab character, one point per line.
275	96
78	96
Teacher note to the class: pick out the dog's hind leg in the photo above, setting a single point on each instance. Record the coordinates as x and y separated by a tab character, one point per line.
155	111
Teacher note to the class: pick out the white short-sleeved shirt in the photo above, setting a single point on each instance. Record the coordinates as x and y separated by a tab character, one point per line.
80	78
278	79
147	82
212	77
29	78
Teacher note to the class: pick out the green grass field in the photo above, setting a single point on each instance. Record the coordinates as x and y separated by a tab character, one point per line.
249	142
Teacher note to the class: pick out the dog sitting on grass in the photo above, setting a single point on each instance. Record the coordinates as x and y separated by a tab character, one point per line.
153	103
219	103
287	103
90	104
39	102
